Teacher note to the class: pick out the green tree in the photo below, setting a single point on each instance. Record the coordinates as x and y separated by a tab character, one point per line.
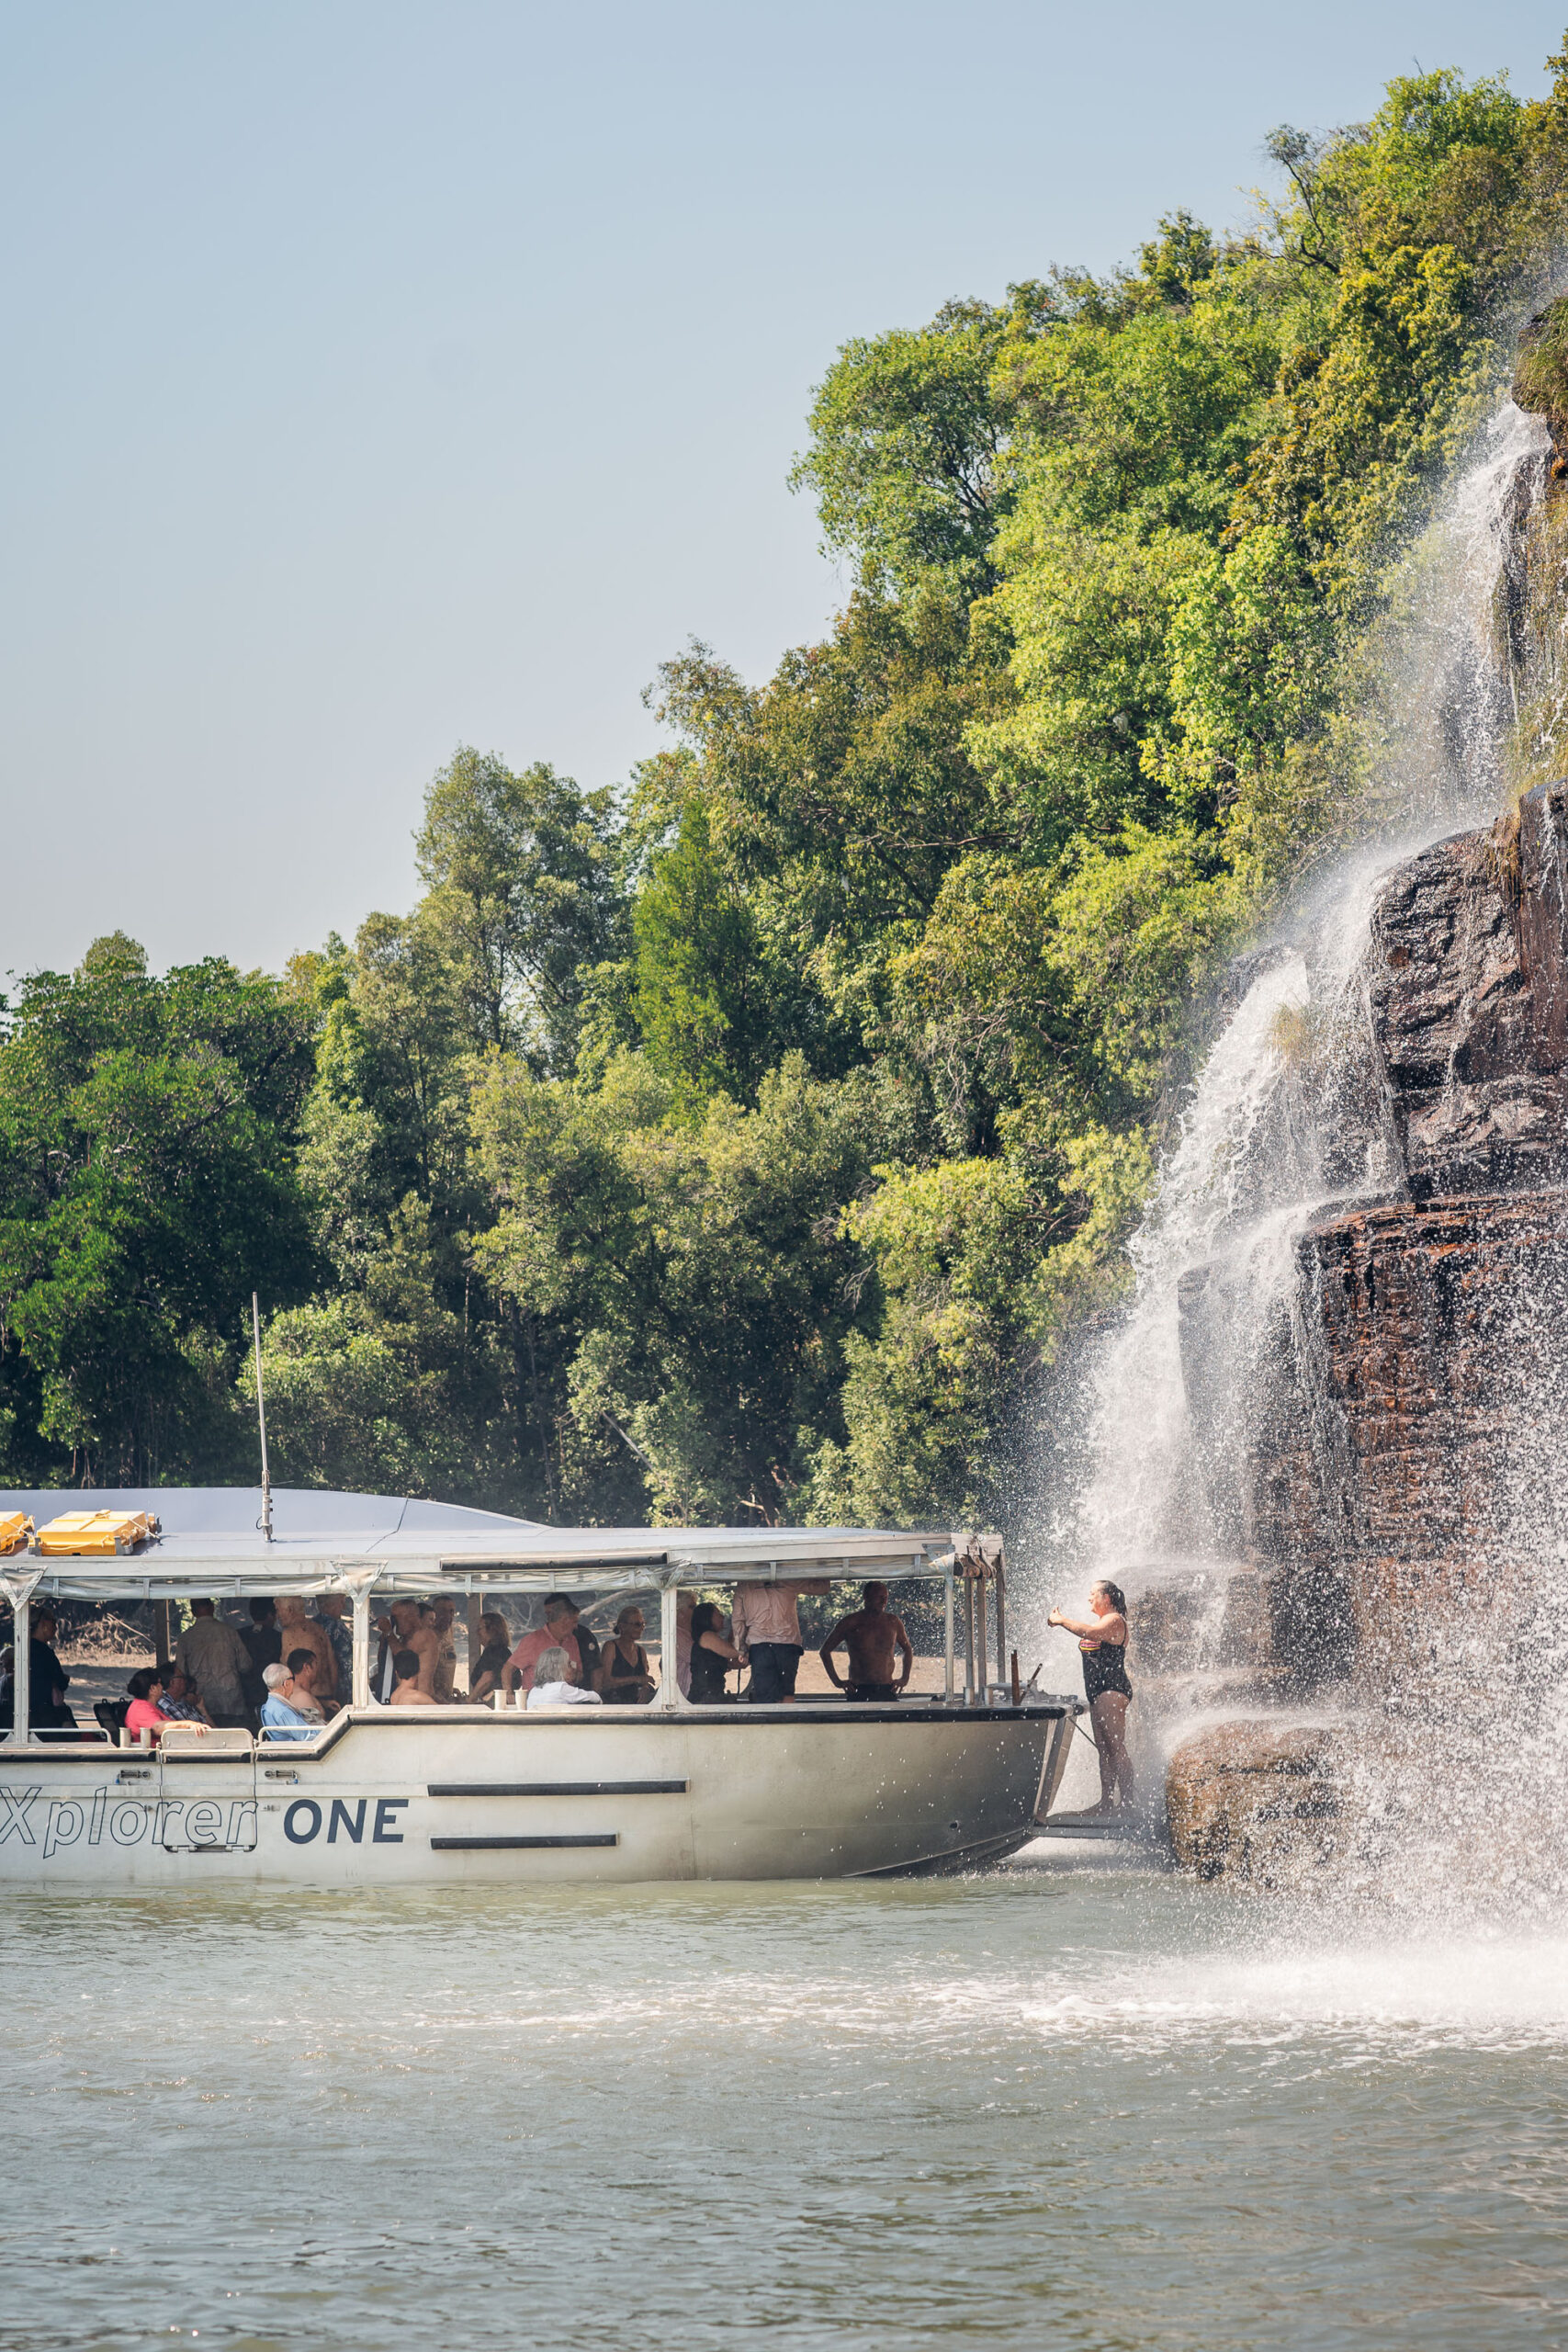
908	434
147	1186
686	1283
702	995
749	1156
521	882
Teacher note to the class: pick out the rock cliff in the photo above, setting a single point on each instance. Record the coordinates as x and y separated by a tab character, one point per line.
1406	1471
1469	1004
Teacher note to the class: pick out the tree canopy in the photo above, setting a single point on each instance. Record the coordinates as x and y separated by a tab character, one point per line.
739	1144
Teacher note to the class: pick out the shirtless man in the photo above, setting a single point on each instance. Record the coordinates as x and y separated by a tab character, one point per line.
405	1629
871	1636
303	1694
406	1691
300	1633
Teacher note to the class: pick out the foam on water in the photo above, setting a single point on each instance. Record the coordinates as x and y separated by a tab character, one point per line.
1370	1999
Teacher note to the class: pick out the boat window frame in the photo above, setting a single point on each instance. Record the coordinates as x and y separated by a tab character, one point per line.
853	1556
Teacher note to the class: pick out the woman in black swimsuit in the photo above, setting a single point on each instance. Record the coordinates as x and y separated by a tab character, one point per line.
1102	1638
623	1678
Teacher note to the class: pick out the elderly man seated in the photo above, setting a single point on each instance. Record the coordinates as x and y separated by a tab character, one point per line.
552	1685
280	1719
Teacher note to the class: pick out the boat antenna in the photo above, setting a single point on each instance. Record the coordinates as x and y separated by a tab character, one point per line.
264	1521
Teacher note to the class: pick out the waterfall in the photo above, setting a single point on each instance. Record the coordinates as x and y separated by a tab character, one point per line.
1216	1357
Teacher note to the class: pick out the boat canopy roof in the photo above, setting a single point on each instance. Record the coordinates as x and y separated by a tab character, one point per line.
211	1543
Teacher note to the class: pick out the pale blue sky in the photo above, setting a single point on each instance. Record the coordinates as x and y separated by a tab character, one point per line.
385	375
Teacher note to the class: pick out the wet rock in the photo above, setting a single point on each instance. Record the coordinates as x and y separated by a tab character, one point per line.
1216	1617
1469	1004
1413	1426
1257	1801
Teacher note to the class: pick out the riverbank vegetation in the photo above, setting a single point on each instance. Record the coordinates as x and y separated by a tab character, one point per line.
739	1145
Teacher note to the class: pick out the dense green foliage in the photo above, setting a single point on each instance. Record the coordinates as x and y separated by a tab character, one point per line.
149	1182
740	1146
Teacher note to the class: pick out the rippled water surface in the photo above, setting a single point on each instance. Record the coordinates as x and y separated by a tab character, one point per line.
1046	2107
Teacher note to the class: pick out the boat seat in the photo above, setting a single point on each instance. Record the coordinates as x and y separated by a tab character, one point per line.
185	1739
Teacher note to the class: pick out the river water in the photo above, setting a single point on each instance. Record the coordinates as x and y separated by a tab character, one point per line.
1058	2104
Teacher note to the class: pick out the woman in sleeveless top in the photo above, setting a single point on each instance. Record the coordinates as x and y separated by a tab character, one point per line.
623	1678
486	1680
1102	1638
712	1657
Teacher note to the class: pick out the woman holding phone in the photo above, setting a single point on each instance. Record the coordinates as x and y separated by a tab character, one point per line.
1102	1638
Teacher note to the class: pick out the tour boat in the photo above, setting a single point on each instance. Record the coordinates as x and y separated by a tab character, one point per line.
464	1795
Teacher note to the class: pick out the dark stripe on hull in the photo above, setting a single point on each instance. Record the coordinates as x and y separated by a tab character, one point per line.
492	1845
557	1788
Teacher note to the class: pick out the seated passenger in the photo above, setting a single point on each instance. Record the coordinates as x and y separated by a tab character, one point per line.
182	1702
485	1679
712	1655
281	1719
552	1686
623	1678
404	1629
871	1636
144	1714
407	1690
306	1668
297	1633
558	1631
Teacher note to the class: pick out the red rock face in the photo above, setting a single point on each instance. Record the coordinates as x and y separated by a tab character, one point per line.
1436	1326
1470	1005
1426	1460
1406	1455
1393	1458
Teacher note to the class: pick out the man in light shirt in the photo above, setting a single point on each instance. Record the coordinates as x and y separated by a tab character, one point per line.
279	1719
765	1629
210	1654
558	1631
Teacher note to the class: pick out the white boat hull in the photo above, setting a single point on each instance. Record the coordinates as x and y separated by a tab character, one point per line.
577	1796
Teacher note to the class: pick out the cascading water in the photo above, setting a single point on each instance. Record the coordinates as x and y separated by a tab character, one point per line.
1287	1118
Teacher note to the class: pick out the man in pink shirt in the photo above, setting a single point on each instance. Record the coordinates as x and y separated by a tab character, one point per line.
765	1629
558	1631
